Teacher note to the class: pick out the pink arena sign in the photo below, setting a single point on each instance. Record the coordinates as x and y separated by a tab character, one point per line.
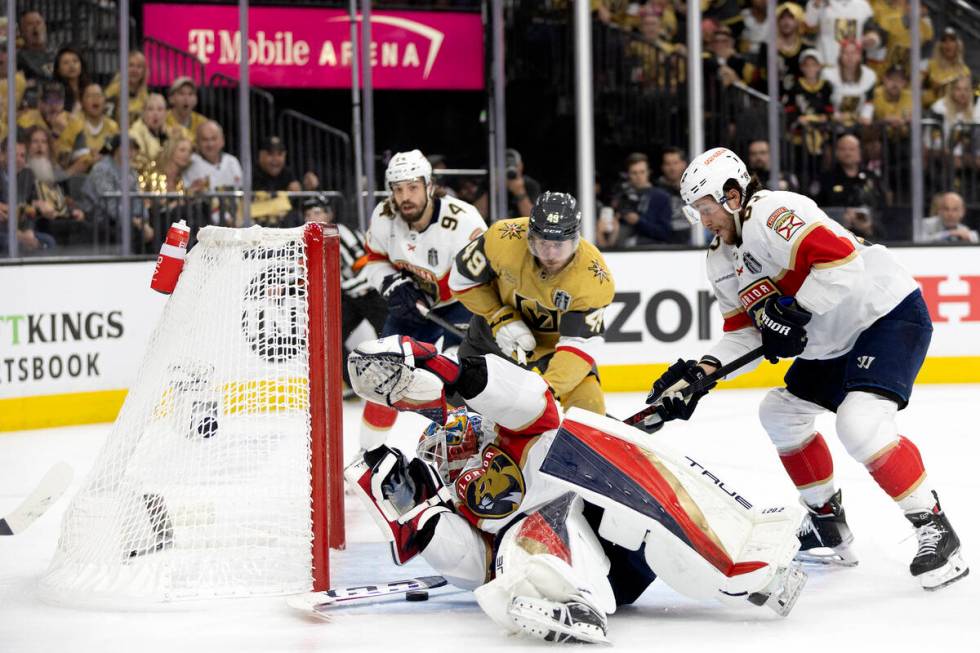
310	48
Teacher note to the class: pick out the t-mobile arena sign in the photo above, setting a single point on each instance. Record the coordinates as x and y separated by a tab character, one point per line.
311	48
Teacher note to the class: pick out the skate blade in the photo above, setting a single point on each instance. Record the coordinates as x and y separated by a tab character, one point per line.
528	615
952	571
841	556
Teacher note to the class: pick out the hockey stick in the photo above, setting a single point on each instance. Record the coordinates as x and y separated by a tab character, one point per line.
728	368
439	321
51	487
316	602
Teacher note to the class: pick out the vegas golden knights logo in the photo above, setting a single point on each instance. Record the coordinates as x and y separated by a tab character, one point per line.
536	316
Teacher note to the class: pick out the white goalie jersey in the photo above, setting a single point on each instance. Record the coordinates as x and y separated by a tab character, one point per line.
427	255
791	247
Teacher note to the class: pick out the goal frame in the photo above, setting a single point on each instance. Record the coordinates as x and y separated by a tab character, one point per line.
326	406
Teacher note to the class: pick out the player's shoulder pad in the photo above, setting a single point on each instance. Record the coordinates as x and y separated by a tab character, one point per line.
779	218
506	239
464	212
592	275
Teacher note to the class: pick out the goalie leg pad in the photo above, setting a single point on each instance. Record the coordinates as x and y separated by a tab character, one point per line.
552	554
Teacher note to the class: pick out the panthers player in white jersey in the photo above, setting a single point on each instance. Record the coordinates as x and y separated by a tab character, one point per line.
412	241
797	283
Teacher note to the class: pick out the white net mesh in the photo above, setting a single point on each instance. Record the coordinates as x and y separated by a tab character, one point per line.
203	487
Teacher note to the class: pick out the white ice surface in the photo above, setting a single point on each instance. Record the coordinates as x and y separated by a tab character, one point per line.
876	606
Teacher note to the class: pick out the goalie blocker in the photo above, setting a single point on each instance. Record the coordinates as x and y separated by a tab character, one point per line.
568	510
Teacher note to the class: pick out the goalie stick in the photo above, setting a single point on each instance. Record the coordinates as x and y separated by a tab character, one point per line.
317	602
728	368
439	321
51	487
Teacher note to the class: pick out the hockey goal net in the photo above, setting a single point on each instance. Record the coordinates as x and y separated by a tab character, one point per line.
222	474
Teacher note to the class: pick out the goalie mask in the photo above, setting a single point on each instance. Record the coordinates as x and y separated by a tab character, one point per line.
448	447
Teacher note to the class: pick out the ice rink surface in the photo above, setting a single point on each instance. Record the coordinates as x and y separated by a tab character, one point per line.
875	606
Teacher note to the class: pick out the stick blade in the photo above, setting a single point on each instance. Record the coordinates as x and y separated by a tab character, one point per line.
49	490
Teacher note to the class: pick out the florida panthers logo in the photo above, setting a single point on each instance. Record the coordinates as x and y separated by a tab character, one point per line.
495	489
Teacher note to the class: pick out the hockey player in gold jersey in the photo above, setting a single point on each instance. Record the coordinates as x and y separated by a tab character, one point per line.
538	292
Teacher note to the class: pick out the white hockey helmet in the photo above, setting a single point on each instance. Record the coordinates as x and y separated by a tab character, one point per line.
707	175
405	166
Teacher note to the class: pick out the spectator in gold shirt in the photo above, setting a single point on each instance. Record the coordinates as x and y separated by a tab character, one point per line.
183	101
79	145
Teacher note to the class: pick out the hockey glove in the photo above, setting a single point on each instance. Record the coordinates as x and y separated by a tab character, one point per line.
402	293
667	390
783	325
511	334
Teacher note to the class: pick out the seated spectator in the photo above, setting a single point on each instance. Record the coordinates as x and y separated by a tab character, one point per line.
849	184
754	27
473	190
668	17
946	65
35	57
673	162
853	86
50	114
724	63
272	173
809	105
839	20
522	189
214	170
652	54
642	213
20	84
79	145
958	107
945	225
183	100
272	176
175	160
862	223
54	213
893	101
71	70
138	90
790	42
151	131
758	162
104	212
30	240
893	16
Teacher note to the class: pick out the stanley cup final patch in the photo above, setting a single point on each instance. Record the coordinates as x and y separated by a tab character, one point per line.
751	263
433	257
562	300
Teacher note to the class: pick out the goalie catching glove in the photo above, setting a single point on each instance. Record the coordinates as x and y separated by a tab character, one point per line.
400	372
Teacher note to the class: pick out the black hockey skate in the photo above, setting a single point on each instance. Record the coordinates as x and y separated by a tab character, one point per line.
938	562
825	538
